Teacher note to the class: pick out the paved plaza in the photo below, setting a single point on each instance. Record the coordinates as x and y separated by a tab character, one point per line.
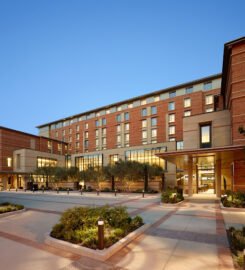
190	235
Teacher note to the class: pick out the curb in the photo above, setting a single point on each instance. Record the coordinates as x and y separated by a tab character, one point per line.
12	213
100	255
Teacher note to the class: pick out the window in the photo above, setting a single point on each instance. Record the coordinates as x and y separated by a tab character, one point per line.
205	136
171	106
119	108
84	162
126	116
127	127
153	110
70	139
70	131
171	130
127	137
207	86
171	118
153	121
187	102
172	94
96	123
209	110
77	145
143	102
96	133
187	113
96	142
157	98
209	99
154	133
144	123
18	161
9	162
118	139
86	143
179	145
144	112
103	131
118	128
49	144
118	118
172	139
86	134
77	136
56	134
189	90
77	128
144	134
59	147
86	125
103	121
130	106
114	159
103	141
46	162
63	132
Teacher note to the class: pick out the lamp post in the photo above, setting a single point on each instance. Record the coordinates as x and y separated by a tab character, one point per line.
143	193
101	244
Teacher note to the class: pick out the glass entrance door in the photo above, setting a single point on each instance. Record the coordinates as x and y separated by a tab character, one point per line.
206	179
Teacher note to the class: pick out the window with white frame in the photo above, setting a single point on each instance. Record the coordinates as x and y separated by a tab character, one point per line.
171	130
209	99
187	102
144	123
171	118
154	133
127	127
171	106
187	113
144	134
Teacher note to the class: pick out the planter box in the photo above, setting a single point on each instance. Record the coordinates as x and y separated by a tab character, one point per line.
100	255
235	209
12	213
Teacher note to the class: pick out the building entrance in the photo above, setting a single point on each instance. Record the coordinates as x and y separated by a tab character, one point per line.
206	179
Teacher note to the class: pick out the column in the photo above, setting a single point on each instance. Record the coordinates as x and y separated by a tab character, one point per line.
190	176
218	177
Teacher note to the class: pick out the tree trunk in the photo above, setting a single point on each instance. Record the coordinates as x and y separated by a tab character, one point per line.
145	179
112	183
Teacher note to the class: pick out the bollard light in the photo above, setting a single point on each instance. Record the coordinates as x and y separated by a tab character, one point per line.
81	191
16	190
68	191
101	244
143	193
33	190
43	189
57	190
115	192
98	192
25	189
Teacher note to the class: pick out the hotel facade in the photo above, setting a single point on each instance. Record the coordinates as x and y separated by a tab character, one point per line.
191	130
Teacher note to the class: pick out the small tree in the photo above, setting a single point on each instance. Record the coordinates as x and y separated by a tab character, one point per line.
110	173
73	174
47	172
60	174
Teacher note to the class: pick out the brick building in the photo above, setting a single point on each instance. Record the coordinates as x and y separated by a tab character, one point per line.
190	129
21	153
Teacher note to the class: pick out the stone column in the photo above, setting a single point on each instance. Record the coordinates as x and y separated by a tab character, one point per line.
218	177
190	176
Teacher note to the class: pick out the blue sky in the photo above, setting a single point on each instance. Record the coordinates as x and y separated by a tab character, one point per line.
59	58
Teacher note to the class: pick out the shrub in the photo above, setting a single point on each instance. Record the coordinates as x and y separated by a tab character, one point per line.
79	225
9	207
234	199
171	196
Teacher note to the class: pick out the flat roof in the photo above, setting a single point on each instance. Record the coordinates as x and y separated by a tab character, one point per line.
212	77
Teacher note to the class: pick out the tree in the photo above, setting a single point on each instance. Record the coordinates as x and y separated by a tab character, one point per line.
73	174
47	173
110	173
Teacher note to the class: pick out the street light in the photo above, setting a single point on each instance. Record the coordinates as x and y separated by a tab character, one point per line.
101	244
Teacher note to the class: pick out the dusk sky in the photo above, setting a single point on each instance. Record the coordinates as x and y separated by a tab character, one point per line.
59	58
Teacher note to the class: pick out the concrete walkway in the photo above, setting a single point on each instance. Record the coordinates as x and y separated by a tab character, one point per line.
189	236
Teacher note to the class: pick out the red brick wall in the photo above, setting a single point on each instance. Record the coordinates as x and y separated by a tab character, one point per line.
239	177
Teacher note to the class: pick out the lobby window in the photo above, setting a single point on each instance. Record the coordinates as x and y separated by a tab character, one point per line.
126	137
205	136
104	141
86	134
96	133
172	94
153	121
127	127
144	123
187	113
9	162
77	136
144	134
77	128
153	110
85	162
126	116
118	118
189	90
86	126
46	162
114	158
209	110
171	118
118	128
187	102
96	123
103	121
209	99
171	130
103	131
171	106
144	112
154	133
207	86
180	145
